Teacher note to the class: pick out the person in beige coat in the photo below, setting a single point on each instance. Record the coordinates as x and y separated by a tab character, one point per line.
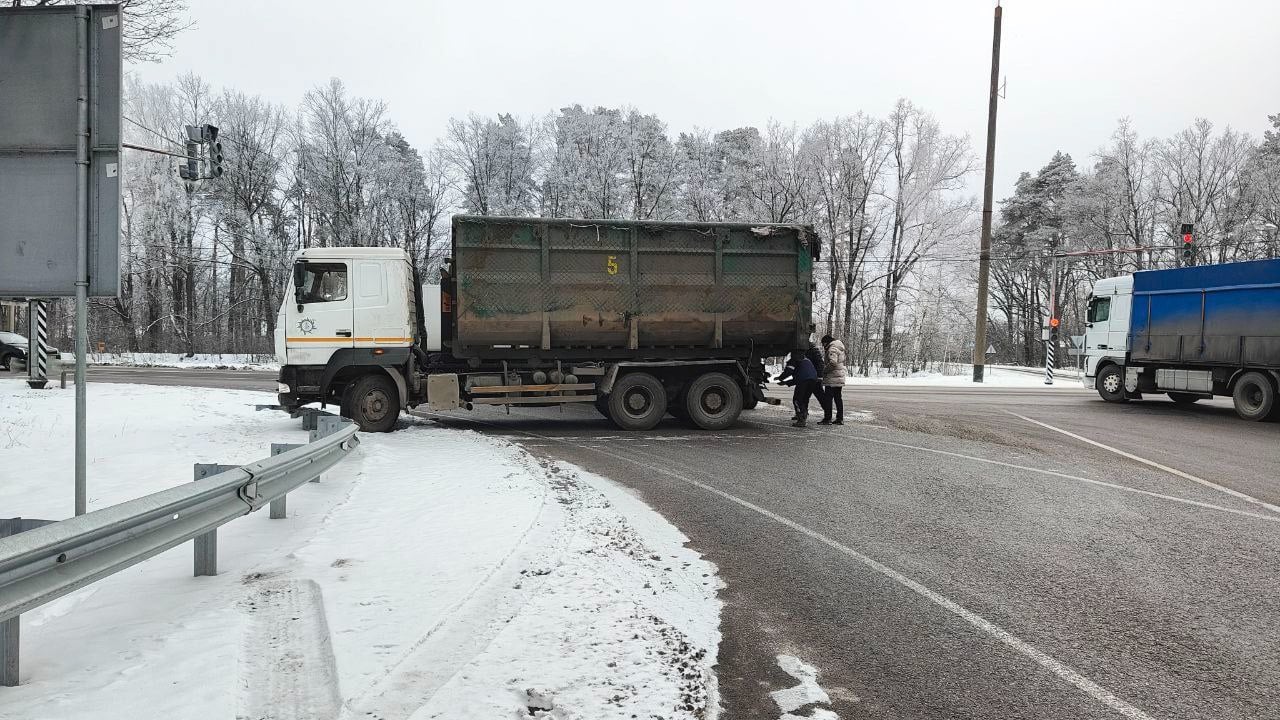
833	376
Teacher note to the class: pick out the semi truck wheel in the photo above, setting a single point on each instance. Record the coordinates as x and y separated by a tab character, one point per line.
713	401
637	402
373	403
1183	398
1255	396
1111	384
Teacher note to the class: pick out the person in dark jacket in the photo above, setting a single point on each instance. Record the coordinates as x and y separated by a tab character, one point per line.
818	358
800	372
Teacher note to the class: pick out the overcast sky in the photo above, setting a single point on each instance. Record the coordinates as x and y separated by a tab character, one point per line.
1074	67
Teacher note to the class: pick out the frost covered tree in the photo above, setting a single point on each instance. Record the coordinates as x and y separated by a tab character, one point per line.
927	170
493	164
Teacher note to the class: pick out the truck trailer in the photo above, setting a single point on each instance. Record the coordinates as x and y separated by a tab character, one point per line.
1191	333
636	318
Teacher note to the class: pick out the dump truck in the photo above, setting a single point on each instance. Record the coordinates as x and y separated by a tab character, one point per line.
638	319
1191	333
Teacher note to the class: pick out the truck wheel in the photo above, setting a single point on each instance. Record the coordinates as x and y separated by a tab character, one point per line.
1111	384
713	401
637	402
1183	398
1255	396
373	403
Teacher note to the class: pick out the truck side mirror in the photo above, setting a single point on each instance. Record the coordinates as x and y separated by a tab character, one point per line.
299	276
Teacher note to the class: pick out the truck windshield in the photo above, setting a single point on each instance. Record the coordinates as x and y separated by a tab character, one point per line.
1099	309
324	282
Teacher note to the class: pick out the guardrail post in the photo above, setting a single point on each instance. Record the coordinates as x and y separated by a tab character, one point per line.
324	425
311	415
278	506
206	545
10	629
9	651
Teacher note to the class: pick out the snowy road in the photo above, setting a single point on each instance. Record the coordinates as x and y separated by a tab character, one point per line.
927	565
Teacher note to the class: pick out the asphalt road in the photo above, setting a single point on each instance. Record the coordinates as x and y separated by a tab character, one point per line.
944	556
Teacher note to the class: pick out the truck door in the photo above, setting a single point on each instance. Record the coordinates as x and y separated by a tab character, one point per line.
1097	333
379	320
325	322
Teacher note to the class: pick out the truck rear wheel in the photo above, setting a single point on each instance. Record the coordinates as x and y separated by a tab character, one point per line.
1255	396
1111	384
637	402
373	403
713	401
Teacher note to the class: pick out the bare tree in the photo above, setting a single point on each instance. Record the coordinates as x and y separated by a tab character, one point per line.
149	26
925	167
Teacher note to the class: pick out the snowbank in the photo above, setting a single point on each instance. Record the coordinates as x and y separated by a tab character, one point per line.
993	375
224	361
434	574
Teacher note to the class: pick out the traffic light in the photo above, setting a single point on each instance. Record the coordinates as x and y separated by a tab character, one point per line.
210	136
190	170
1188	244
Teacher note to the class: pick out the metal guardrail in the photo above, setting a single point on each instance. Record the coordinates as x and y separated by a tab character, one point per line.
45	563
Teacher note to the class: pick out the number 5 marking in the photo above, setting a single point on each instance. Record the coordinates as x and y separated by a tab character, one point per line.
611	265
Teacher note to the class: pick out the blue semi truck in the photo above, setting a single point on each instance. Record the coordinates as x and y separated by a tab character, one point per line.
1190	333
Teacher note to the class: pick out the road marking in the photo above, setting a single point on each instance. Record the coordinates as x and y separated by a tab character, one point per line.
1173	471
1053	665
1053	473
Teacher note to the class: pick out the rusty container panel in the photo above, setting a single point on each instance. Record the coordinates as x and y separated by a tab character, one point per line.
580	289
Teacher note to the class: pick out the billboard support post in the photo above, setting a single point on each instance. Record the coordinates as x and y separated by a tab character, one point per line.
82	249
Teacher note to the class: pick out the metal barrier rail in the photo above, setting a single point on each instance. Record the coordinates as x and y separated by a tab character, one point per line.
47	562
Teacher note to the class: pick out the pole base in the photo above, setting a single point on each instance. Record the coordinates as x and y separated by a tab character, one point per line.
38	384
977	373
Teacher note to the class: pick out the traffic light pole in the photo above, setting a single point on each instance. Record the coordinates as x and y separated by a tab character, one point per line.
984	252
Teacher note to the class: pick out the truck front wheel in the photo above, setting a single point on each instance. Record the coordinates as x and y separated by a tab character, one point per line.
373	403
1255	396
637	402
1111	384
713	401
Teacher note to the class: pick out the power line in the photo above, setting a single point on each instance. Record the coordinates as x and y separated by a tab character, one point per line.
157	133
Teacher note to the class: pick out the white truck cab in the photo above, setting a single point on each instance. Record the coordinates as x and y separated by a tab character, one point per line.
350	298
1106	335
345	308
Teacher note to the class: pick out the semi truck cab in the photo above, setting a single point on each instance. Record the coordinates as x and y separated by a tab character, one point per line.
347	313
1106	335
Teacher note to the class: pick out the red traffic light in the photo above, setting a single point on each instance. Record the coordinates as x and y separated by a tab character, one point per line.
1187	239
1053	322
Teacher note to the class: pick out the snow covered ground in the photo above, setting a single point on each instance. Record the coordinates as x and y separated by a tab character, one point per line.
993	375
434	574
226	361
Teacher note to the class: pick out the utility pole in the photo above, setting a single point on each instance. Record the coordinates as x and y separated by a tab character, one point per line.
984	252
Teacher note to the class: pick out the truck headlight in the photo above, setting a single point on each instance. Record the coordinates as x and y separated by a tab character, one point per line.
282	388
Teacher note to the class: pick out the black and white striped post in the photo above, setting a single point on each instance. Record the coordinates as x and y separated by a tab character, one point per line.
1051	329
1049	352
38	348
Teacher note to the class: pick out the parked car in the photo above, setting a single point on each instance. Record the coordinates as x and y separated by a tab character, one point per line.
12	347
